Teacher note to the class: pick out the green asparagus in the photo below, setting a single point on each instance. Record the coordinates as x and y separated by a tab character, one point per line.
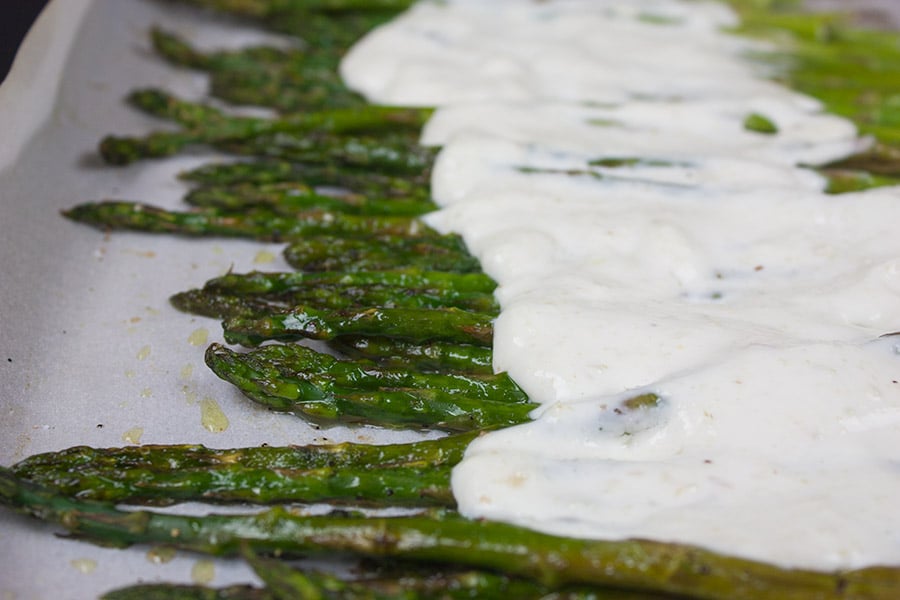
393	154
853	71
289	198
429	357
210	303
287	80
264	8
412	324
333	253
211	124
269	171
207	125
257	282
166	591
881	160
259	224
288	583
441	537
294	363
414	473
324	402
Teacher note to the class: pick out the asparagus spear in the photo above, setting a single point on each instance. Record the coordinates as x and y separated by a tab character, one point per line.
879	160
287	80
853	71
286	582
289	198
422	454
289	583
293	61
207	125
429	357
214	304
257	282
259	293
333	253
390	154
293	363
327	403
313	88
263	8
337	31
412	324
841	181
270	171
94	476
259	224
437	537
167	591
212	124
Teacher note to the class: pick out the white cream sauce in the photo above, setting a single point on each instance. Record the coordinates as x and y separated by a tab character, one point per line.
713	272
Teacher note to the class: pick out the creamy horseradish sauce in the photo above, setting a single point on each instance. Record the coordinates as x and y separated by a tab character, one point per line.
708	268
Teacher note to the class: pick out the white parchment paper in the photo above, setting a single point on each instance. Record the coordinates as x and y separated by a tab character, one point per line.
91	352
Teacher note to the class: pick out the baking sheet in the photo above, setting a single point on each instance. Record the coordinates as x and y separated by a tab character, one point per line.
90	350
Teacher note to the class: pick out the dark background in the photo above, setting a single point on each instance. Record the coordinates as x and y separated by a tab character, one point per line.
16	17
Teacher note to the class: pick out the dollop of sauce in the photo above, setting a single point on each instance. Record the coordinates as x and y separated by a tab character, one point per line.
704	328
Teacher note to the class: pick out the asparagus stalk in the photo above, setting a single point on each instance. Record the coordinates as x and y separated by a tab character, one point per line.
294	61
289	198
333	253
264	8
330	404
270	171
412	324
207	125
288	583
391	154
258	224
636	565
879	160
853	71
336	30
843	181
257	282
167	591
286	80
212	124
446	451
428	357
210	303
229	483
287	91
291	364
